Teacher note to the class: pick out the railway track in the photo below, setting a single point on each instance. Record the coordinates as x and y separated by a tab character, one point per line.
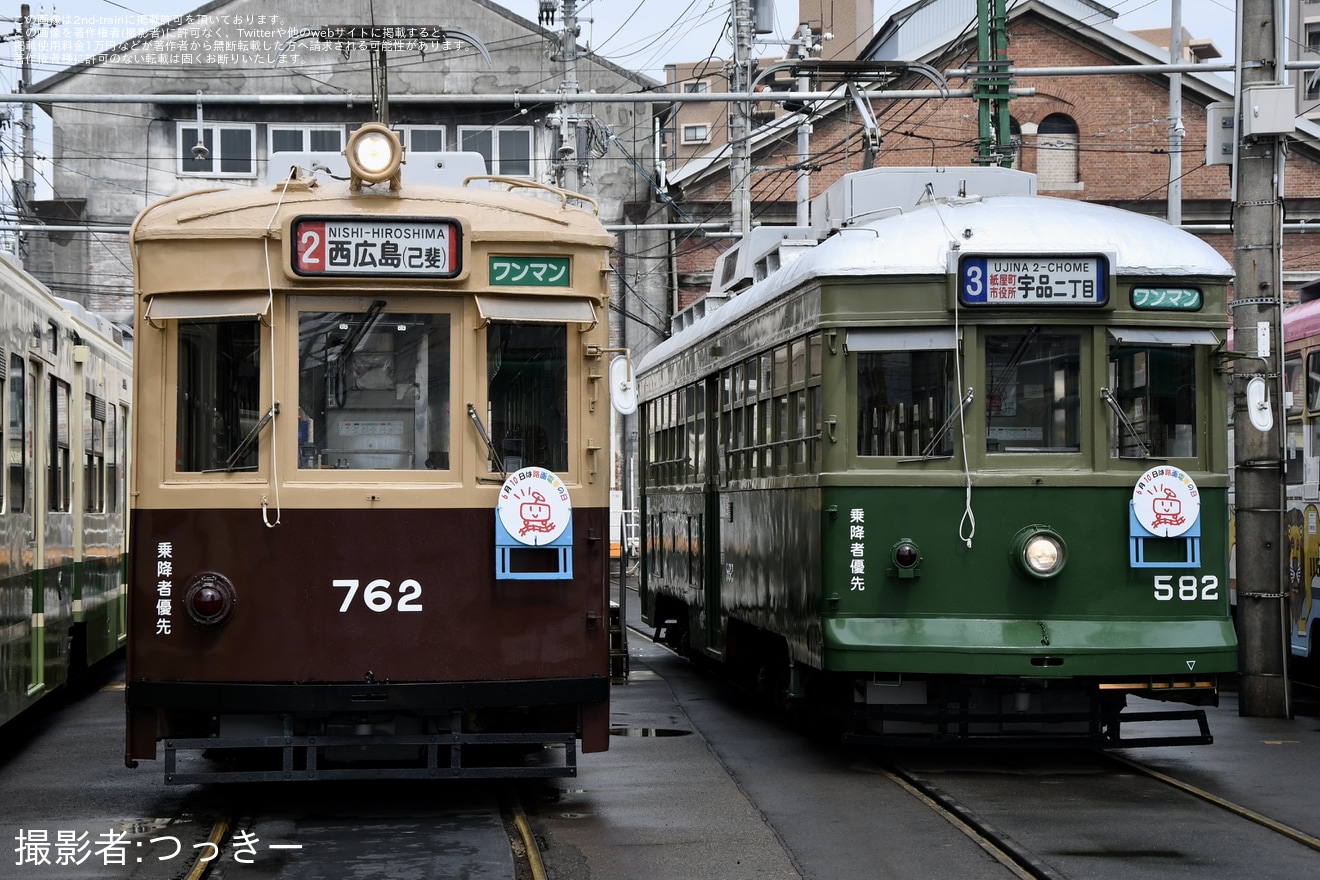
1009	833
468	838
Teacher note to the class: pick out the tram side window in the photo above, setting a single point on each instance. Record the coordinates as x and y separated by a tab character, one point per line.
5	438
1155	386
94	435
16	437
59	484
805	403
373	390
112	458
1032	402
743	452
527	365
219	394
1294	441
1312	418
903	398
695	469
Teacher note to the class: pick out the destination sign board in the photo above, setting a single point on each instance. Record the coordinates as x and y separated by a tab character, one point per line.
1030	280
376	247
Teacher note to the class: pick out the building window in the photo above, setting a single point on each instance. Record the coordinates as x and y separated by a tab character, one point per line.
230	151
700	87
696	134
306	139
422	138
1056	154
507	150
1311	78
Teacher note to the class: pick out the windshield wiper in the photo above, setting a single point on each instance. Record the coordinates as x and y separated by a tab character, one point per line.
928	452
231	463
481	429
1107	396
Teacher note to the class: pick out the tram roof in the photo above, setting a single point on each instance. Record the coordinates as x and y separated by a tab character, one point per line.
1302	321
249	212
923	241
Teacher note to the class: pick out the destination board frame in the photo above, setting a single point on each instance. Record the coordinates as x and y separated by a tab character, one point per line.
1033	280
375	247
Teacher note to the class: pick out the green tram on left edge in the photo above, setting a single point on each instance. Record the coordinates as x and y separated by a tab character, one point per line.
65	408
951	462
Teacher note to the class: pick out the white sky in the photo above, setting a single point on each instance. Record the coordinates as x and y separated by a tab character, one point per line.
641	35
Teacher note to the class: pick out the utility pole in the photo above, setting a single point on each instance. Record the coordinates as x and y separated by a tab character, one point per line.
804	134
569	160
740	146
992	85
1176	129
25	187
1264	112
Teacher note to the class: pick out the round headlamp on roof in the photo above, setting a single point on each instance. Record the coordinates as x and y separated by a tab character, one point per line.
374	155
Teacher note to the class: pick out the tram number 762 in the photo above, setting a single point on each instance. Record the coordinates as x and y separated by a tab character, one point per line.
1189	587
378	597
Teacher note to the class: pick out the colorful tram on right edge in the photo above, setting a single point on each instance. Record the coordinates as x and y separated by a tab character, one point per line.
1301	334
952	463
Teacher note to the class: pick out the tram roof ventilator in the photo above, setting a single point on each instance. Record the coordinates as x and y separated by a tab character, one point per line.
855	198
866	195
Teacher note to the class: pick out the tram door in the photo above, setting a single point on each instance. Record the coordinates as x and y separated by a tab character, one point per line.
714	446
31	519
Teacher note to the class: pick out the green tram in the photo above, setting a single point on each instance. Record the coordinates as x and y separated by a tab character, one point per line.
953	463
65	391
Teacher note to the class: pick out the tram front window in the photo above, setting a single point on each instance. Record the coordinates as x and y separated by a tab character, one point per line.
527	367
1155	387
1032	398
218	394
903	400
373	390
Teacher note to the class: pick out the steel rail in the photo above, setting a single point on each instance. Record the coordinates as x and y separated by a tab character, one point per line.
998	845
1236	809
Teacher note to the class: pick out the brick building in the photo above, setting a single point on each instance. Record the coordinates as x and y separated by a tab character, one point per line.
1097	138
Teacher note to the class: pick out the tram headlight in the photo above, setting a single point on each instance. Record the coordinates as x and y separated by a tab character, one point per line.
374	154
1039	551
209	599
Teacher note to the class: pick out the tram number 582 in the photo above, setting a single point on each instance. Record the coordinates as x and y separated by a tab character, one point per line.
378	595
1188	588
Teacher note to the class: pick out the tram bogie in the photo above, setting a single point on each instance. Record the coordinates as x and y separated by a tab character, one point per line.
369	538
958	468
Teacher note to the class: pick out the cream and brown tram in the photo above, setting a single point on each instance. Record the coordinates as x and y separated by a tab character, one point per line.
371	482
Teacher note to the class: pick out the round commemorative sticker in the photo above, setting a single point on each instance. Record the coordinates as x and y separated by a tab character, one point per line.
1166	501
534	506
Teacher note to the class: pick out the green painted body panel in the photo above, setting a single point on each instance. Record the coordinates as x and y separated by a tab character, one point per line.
102	617
1014	647
973	609
787	559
